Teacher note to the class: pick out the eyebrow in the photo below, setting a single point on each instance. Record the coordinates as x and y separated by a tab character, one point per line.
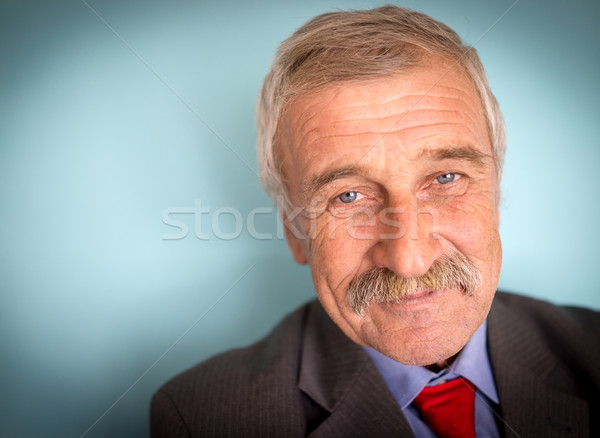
318	181
466	153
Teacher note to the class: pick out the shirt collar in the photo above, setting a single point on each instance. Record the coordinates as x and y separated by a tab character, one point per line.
473	363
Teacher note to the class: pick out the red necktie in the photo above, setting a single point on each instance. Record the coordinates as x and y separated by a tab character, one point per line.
449	408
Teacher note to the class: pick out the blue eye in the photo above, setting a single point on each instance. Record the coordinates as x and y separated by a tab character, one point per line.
447	178
348	197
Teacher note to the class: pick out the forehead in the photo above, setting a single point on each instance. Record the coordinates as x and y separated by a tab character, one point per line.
435	105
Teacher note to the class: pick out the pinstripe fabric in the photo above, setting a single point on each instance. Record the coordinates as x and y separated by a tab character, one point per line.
242	393
340	377
546	363
308	379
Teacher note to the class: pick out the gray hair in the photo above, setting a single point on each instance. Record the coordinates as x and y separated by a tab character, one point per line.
356	46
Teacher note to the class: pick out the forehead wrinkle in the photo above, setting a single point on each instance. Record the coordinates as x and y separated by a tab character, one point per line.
419	123
407	129
463	94
419	114
345	131
413	115
308	113
388	110
436	90
433	93
458	106
306	104
317	134
304	119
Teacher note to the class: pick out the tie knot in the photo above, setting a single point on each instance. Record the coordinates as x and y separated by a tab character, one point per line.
449	408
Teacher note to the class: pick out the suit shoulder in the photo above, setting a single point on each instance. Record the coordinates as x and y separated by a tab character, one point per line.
261	358
548	340
257	381
563	319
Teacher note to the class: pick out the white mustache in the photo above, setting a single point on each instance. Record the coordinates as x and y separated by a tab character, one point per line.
380	285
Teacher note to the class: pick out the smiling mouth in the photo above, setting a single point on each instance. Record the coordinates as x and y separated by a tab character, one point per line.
422	297
416	295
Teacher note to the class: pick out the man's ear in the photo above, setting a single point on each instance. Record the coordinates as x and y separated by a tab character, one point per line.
295	241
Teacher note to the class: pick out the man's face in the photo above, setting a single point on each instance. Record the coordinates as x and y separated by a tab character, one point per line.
395	172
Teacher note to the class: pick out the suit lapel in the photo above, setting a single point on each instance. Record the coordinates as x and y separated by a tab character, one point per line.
339	376
523	367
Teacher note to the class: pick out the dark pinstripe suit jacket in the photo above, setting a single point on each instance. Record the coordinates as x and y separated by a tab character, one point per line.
308	378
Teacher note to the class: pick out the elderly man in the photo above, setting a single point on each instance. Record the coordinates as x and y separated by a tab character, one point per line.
380	134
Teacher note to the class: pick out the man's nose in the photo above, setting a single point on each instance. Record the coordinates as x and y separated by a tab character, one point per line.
407	243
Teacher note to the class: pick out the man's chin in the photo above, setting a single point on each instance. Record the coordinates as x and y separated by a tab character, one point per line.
414	331
421	353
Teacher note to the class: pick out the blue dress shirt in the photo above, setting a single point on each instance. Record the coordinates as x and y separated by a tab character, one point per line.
473	363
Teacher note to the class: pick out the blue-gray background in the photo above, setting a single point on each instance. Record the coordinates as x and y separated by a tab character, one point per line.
104	130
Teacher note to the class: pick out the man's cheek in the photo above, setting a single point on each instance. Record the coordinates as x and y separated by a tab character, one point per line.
465	225
339	249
